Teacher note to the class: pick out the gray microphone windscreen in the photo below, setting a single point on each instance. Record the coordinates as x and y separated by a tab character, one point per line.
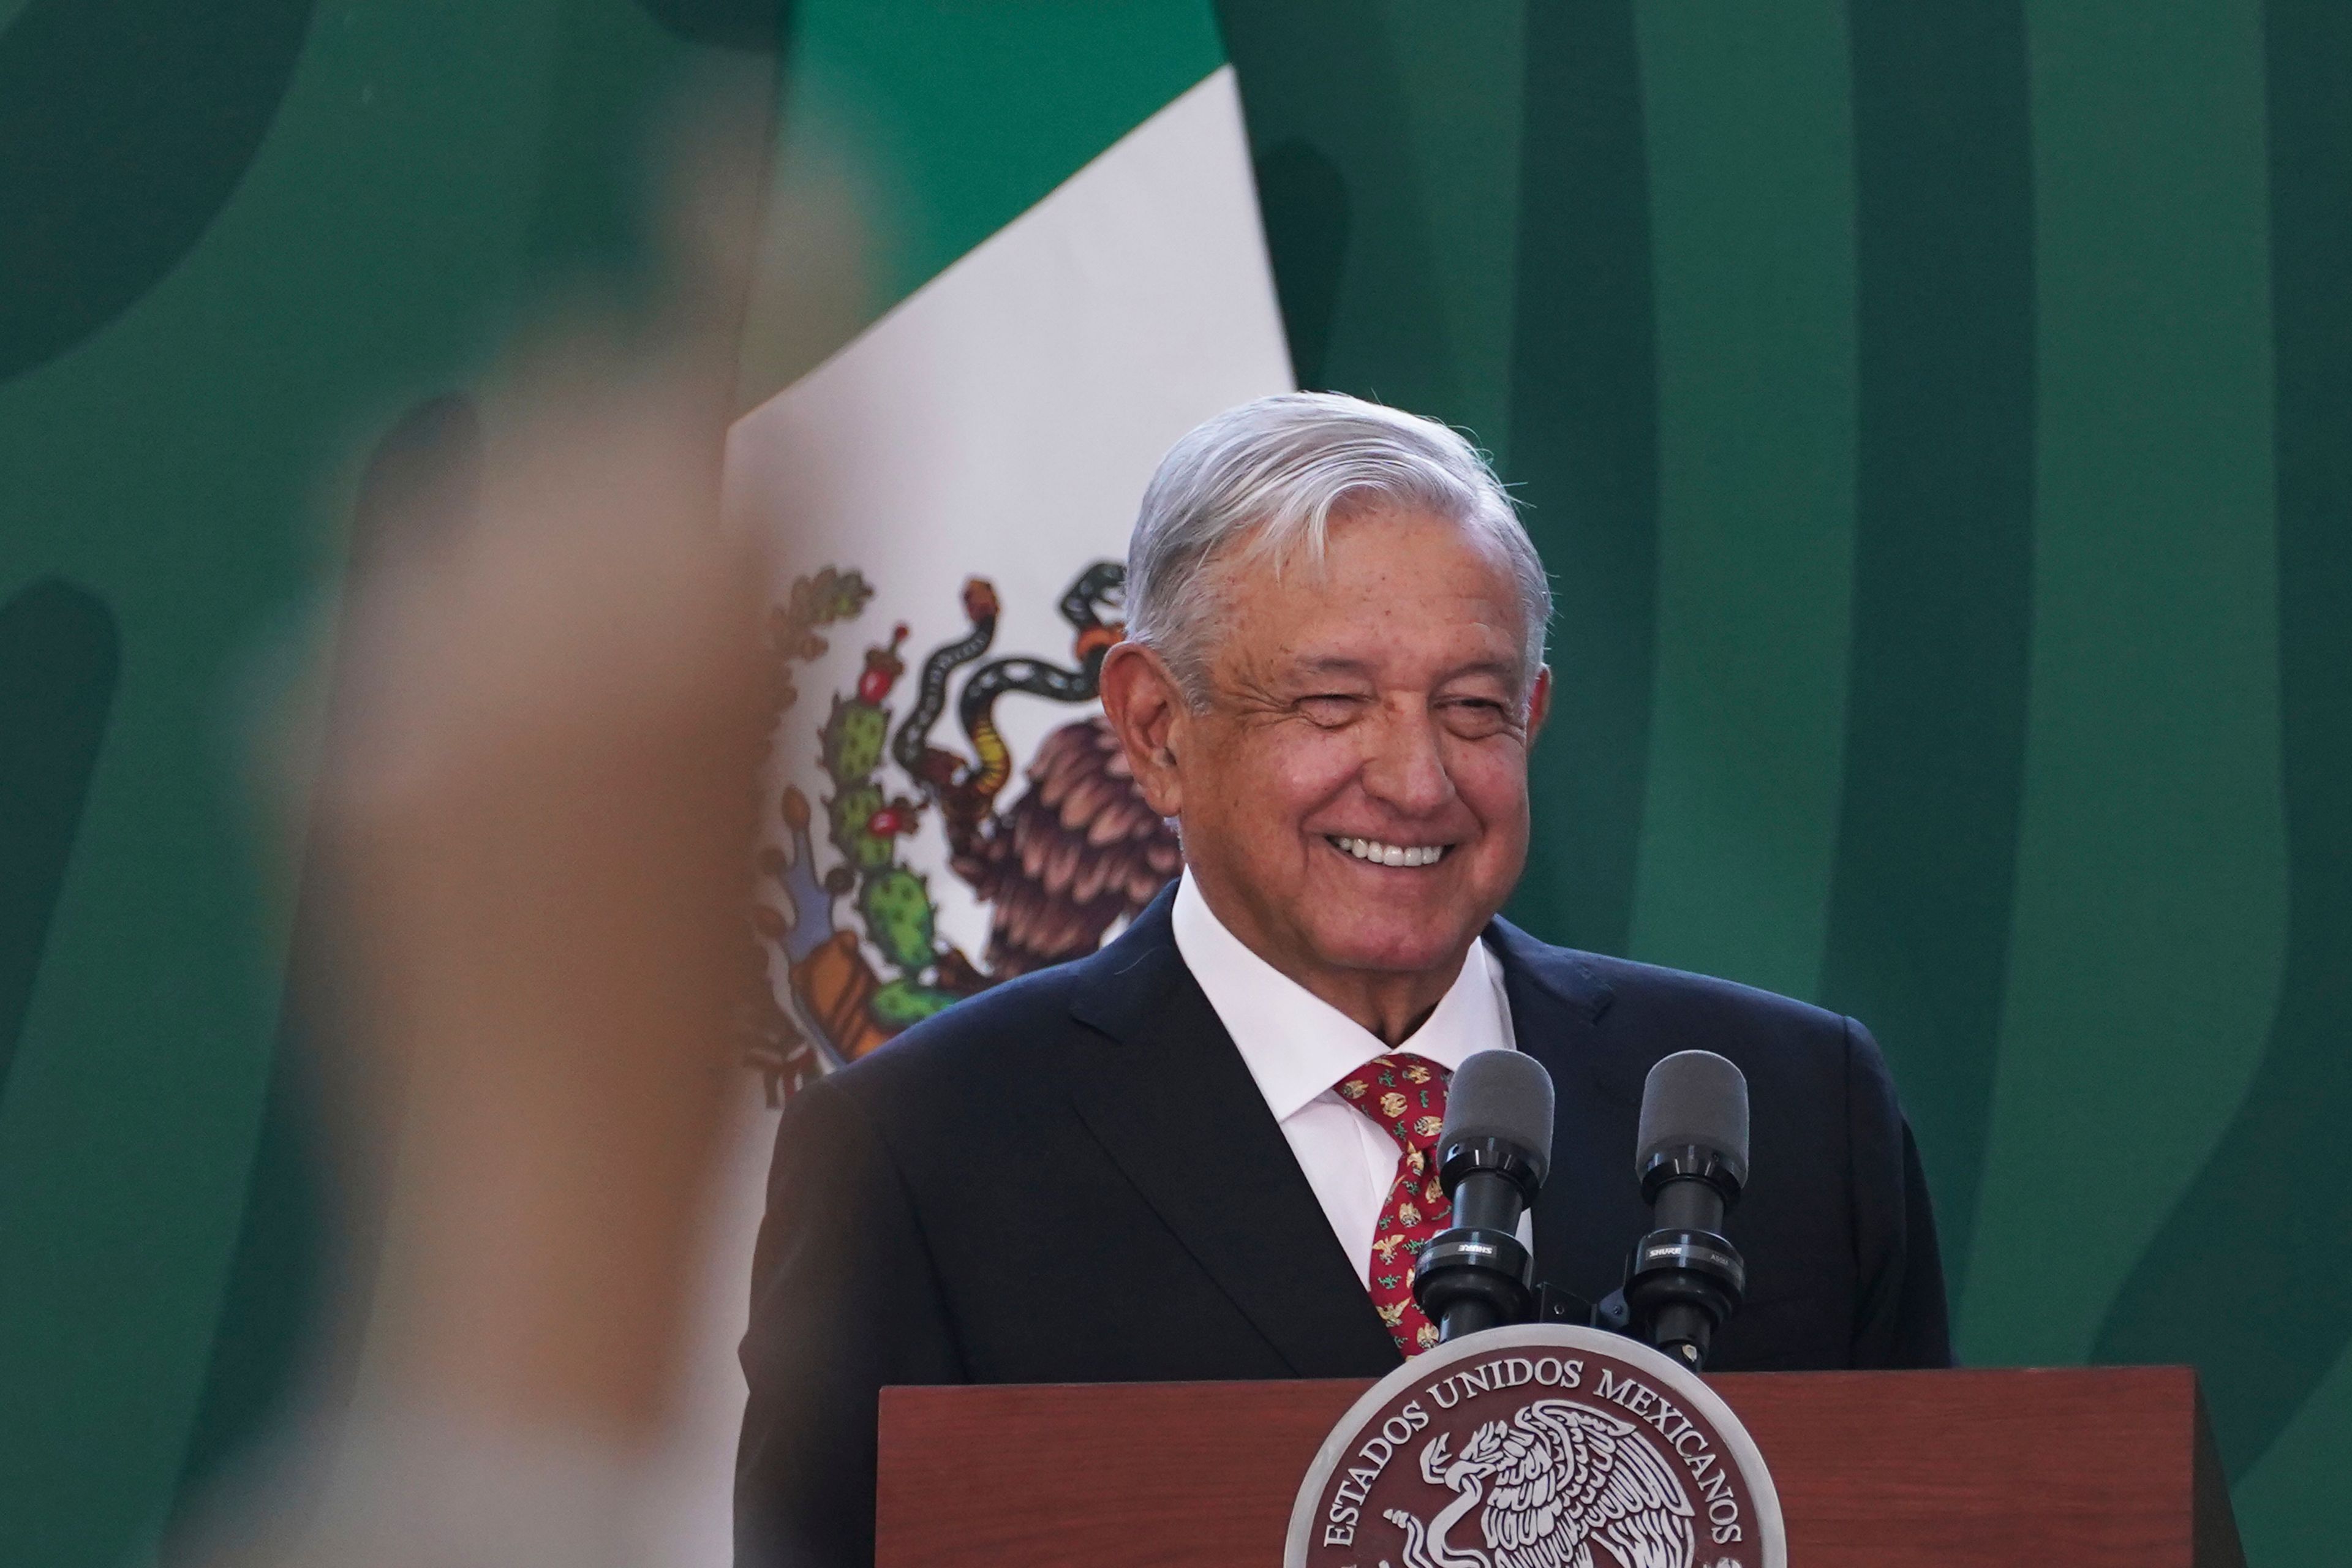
1505	1095
1694	1098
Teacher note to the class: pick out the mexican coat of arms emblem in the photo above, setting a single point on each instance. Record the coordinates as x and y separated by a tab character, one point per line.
848	928
1539	1447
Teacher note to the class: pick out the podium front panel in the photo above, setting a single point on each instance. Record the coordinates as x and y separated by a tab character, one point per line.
2094	1467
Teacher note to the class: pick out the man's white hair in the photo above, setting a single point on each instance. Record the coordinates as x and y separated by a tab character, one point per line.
1268	479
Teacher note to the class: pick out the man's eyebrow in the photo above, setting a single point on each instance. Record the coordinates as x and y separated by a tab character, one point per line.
1506	671
1333	664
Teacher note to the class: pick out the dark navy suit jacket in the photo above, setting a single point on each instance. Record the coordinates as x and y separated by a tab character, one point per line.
1072	1177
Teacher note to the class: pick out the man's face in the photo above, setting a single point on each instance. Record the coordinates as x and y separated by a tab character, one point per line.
1373	712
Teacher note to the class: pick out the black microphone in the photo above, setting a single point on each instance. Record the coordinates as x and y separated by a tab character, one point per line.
1685	1279
1492	1159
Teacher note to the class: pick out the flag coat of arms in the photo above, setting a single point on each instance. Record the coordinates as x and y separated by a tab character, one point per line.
945	808
953	486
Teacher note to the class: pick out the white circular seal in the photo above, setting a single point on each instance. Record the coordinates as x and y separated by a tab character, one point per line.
1536	1446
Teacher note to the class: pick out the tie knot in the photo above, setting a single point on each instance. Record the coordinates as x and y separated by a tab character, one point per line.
1405	1094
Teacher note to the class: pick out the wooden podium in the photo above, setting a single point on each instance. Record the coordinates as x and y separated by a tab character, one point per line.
1959	1469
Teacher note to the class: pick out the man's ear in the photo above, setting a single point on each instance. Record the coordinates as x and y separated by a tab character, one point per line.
1540	702
1146	708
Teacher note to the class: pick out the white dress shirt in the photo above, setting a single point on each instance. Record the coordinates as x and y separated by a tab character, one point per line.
1297	1046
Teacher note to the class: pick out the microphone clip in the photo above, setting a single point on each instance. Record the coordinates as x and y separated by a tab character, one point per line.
1485	1271
1685	1279
1476	1274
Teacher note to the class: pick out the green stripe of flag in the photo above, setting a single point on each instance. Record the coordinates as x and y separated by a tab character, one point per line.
965	113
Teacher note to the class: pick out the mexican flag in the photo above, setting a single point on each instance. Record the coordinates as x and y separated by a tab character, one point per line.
1064	272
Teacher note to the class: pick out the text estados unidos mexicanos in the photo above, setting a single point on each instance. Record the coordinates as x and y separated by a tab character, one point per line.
1646	1404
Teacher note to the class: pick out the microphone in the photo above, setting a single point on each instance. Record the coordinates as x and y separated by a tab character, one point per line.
1685	1279
1492	1159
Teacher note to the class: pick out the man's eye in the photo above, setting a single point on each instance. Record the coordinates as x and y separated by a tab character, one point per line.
1476	716
1328	707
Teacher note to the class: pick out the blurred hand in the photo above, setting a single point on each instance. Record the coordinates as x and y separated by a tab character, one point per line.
526	948
534	812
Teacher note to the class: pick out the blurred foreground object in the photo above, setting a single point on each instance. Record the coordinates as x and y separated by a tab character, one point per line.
529	839
534	805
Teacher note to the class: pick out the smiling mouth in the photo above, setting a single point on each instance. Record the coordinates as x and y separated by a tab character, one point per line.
1374	852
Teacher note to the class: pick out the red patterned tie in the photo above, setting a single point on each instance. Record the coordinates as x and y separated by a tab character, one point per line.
1405	1095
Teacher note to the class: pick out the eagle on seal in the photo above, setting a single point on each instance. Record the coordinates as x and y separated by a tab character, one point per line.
1556	1479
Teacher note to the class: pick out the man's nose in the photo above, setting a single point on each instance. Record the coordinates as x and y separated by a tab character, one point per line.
1406	769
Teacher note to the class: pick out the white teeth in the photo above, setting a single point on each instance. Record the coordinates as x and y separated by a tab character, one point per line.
1381	854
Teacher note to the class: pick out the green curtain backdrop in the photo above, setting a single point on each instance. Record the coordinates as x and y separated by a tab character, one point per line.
1938	417
1936	414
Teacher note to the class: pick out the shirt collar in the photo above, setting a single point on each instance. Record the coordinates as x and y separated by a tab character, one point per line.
1295	1044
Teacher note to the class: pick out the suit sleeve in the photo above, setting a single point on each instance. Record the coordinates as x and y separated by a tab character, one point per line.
1900	1315
845	1300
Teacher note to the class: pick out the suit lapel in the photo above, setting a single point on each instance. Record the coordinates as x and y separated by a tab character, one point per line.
1174	1105
1590	1212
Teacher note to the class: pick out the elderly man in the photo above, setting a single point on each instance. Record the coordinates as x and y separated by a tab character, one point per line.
1203	1152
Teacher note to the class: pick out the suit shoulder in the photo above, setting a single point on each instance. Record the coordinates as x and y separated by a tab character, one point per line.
1645	1011
1772	1038
1656	986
